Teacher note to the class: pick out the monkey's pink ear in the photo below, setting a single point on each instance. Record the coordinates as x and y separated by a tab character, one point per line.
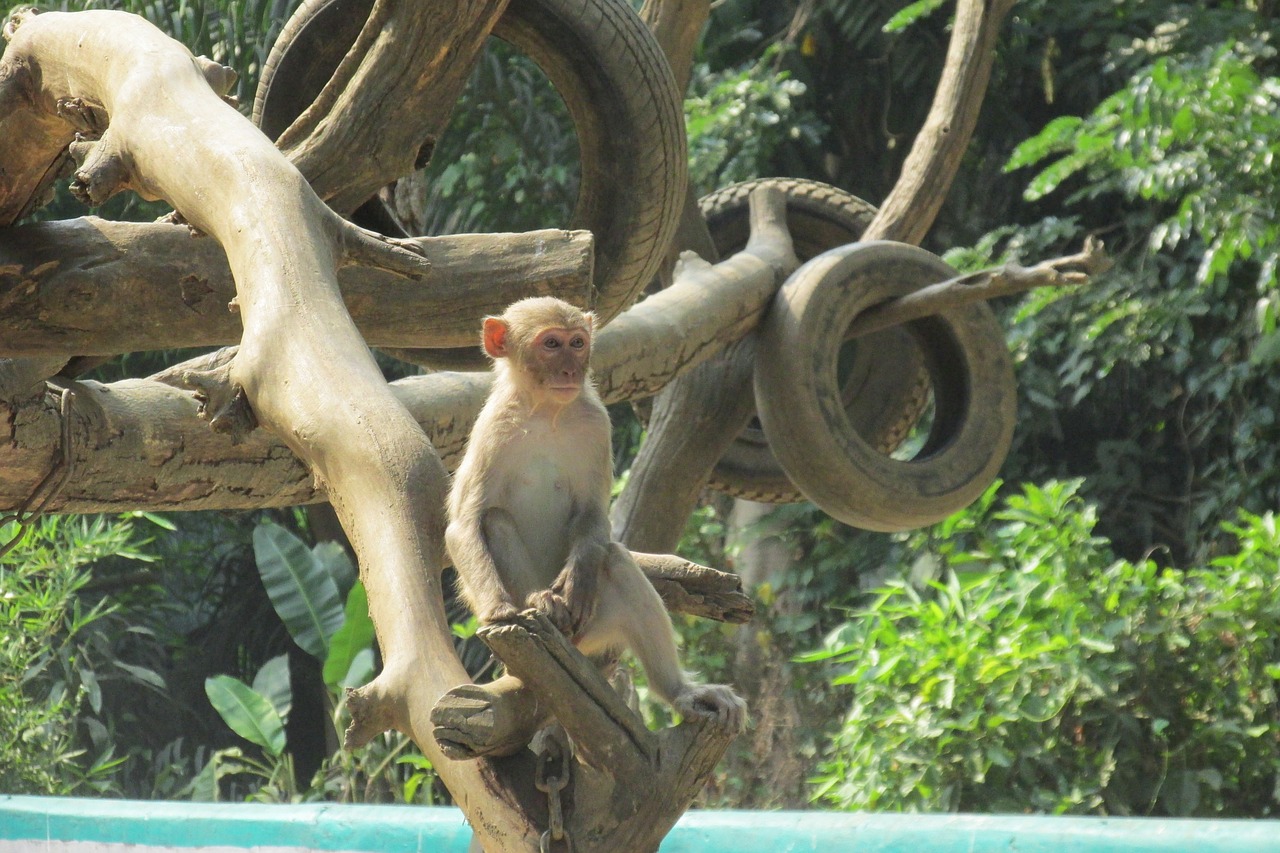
495	337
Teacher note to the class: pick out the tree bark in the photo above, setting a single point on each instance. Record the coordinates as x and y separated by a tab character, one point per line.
90	286
696	416
302	365
392	95
677	25
140	442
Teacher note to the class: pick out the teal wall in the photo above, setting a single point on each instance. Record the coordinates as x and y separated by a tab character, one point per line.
53	825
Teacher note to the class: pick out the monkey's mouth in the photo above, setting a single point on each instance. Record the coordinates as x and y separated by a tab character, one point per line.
564	393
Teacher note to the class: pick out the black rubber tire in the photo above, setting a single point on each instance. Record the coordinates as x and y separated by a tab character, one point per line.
801	403
886	387
615	82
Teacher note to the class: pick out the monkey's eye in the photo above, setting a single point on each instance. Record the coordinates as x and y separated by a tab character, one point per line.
551	343
578	342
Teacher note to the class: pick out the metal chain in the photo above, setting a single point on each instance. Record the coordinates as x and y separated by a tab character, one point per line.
552	783
63	464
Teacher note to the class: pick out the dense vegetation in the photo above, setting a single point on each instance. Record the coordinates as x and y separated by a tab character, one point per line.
1098	635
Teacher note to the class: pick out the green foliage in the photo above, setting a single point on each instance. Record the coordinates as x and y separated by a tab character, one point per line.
1154	382
249	713
349	662
306	586
508	160
1041	672
52	670
737	118
301	584
912	13
1199	134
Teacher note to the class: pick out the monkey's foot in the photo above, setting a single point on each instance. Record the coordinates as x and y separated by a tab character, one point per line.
715	702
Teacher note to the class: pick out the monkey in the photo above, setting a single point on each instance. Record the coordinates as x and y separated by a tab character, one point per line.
528	523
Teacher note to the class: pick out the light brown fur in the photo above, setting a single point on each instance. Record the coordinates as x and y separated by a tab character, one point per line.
528	512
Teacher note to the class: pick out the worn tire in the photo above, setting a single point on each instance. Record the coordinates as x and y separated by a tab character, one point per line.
801	402
886	387
615	82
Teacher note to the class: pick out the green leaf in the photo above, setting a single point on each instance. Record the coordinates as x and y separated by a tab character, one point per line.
355	635
300	586
911	14
204	787
141	673
1055	138
272	681
247	712
362	669
337	563
90	681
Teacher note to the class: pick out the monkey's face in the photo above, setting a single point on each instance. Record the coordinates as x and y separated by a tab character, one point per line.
560	360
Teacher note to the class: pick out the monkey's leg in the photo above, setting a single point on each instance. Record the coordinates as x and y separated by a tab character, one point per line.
630	613
520	578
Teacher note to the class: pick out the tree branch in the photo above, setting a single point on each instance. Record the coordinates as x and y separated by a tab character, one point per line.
90	286
986	284
908	212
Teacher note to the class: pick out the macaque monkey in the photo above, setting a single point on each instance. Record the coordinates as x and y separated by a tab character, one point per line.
528	511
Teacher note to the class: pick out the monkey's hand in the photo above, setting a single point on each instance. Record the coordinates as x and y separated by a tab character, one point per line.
555	608
716	702
576	586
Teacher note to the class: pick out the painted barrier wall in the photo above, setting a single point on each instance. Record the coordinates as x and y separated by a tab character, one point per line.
55	825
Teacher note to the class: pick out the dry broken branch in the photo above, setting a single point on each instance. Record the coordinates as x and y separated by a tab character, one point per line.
986	284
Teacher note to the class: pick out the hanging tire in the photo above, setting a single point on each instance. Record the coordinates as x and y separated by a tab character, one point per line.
801	401
885	387
615	82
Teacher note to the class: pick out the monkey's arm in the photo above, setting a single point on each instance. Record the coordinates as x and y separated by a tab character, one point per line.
487	590
577	582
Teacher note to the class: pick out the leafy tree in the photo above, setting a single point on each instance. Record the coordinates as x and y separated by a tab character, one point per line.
1042	672
1154	383
307	587
55	657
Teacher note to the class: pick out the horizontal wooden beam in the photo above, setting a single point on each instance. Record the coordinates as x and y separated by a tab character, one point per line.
94	287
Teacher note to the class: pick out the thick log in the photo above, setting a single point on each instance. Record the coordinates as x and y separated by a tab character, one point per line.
368	125
89	286
141	444
695	418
